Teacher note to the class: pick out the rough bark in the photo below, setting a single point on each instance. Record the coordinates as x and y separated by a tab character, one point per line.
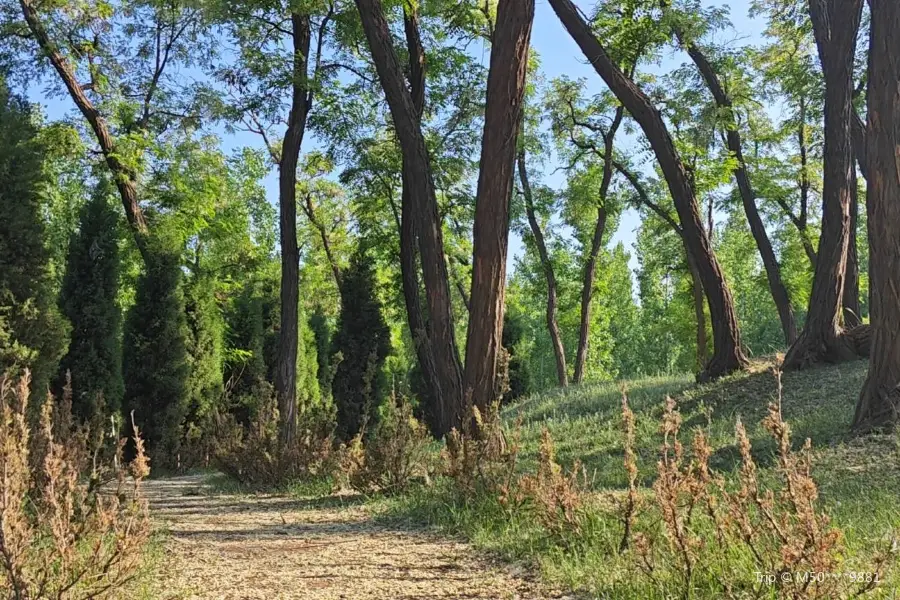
728	355
748	196
590	266
559	351
409	265
836	24
879	402
286	367
124	176
418	180
503	108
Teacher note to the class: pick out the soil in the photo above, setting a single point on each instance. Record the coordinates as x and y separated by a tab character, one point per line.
268	546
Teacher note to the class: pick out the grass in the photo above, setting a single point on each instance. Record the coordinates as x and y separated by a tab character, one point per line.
858	478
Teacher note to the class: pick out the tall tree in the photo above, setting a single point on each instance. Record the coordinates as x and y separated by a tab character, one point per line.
537	234
418	179
32	334
728	355
269	35
879	402
88	299
503	114
822	337
734	142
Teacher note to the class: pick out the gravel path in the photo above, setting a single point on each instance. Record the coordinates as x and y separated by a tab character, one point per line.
247	547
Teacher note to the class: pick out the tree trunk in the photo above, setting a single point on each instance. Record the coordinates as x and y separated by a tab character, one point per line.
123	175
409	265
418	180
562	373
286	369
821	339
503	108
852	309
728	355
590	266
699	312
802	221
879	402
748	196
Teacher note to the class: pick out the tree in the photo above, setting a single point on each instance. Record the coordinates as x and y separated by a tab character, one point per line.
879	403
155	364
362	341
205	350
442	366
821	338
88	299
537	234
32	333
734	142
274	81
728	355
122	94
492	208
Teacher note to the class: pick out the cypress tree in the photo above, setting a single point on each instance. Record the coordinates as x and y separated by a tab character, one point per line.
363	341
205	346
32	331
318	323
88	299
155	363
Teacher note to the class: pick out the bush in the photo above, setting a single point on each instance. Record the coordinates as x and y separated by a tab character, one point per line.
63	537
396	454
255	456
751	539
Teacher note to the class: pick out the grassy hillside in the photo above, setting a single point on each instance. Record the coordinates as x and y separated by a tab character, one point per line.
859	478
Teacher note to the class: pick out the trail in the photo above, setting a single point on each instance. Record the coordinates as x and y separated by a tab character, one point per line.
248	547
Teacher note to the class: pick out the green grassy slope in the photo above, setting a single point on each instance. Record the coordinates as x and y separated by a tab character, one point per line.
859	478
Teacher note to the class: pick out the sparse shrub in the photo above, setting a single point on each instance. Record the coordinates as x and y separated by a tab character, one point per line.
64	538
555	496
753	539
396	454
256	457
479	459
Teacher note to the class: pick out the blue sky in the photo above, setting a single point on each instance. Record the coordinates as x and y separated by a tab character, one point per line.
559	56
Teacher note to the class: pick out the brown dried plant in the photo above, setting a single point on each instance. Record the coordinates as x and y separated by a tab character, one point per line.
64	538
792	548
555	495
480	458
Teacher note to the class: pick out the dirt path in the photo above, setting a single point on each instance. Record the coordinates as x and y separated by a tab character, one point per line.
270	547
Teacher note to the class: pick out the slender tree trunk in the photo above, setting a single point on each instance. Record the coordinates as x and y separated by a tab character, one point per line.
420	185
559	351
821	339
748	196
409	266
879	402
728	355
590	266
852	309
286	369
503	109
124	176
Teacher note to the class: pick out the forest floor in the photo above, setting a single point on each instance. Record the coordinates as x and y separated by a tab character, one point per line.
226	546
